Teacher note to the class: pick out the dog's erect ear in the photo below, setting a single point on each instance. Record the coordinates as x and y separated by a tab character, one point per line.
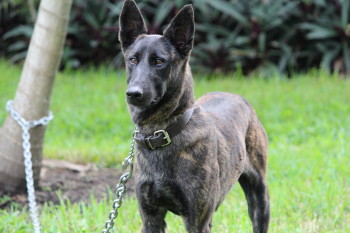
180	32
131	24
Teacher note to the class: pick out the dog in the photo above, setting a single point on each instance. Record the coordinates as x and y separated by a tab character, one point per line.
189	153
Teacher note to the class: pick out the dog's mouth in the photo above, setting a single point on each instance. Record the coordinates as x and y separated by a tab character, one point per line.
155	100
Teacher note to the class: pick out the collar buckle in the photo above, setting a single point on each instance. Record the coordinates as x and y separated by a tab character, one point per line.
166	136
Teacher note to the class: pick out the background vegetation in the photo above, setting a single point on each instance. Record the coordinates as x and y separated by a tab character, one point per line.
306	117
279	35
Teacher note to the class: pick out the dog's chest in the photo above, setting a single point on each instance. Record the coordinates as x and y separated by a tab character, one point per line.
158	184
163	193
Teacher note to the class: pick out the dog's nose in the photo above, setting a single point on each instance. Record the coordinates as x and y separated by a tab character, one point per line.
134	93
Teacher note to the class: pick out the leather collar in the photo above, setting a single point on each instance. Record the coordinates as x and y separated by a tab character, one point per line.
162	138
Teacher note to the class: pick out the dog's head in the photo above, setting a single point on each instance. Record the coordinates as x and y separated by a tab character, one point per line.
154	62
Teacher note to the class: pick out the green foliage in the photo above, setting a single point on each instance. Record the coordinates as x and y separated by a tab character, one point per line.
328	34
92	33
15	29
306	118
291	35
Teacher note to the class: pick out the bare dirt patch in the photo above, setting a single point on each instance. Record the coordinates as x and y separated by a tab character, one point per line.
74	183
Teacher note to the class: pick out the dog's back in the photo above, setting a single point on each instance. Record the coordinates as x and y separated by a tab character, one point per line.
241	138
233	110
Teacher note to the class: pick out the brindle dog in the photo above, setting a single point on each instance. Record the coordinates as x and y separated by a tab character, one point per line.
222	142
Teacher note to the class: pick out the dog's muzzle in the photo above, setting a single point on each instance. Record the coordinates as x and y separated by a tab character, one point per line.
134	95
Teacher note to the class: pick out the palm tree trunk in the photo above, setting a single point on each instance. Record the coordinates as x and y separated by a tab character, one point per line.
32	100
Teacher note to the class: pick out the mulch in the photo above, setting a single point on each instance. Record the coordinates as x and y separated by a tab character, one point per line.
75	186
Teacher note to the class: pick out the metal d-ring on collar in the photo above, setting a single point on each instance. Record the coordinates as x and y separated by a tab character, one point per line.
162	138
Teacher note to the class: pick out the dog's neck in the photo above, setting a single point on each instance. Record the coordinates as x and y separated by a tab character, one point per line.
169	109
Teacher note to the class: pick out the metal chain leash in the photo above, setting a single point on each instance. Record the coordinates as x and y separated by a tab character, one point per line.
26	126
121	188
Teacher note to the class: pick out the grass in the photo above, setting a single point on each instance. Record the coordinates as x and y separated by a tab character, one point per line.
307	119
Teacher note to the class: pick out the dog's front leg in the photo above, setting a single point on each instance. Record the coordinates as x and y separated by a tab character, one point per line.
152	218
151	213
153	222
199	221
198	227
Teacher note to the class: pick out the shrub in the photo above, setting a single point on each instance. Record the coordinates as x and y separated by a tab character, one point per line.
291	35
326	27
15	29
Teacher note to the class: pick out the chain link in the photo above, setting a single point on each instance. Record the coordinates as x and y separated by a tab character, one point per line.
26	126
121	188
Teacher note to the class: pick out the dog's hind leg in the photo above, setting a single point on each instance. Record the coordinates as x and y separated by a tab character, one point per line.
253	179
257	196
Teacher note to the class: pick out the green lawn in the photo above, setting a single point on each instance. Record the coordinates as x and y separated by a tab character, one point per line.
307	119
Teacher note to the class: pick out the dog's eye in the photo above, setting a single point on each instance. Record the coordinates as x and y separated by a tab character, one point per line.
133	60
159	61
